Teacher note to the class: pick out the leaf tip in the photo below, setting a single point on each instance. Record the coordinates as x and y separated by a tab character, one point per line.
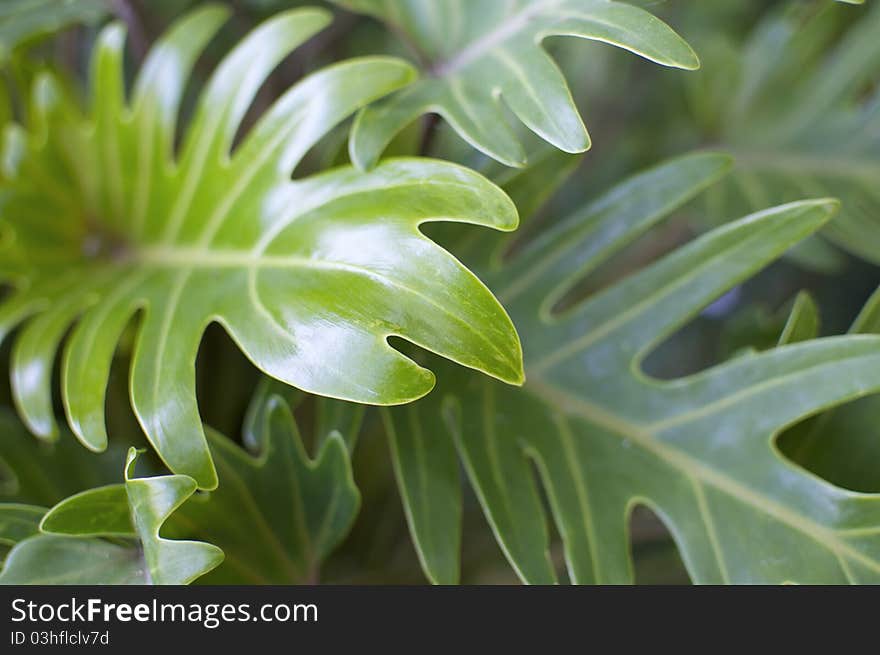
828	207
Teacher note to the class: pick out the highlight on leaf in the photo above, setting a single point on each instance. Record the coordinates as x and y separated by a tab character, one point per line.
105	222
603	436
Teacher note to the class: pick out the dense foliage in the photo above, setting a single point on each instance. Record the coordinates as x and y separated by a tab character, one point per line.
244	249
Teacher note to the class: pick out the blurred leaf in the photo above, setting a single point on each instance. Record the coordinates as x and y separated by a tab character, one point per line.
17	523
804	120
39	473
69	553
22	21
477	53
309	276
53	560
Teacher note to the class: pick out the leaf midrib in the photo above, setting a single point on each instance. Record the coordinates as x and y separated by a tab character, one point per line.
694	469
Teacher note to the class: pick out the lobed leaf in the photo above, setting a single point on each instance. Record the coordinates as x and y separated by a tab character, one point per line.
70	550
700	450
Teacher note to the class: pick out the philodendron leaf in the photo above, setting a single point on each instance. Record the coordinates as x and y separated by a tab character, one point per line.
479	53
24	20
104	221
699	451
71	550
801	125
803	321
425	463
290	511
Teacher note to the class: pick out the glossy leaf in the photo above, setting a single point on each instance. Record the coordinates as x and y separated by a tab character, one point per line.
476	54
277	513
302	508
69	552
801	125
24	20
425	463
106	223
699	451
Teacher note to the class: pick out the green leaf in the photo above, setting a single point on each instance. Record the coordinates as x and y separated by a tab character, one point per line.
277	513
803	322
53	560
5	107
21	21
105	223
478	53
800	124
135	509
698	451
427	473
99	512
38	473
423	457
302	507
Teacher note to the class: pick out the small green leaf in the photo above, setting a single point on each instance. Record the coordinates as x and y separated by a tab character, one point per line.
479	53
22	21
97	512
68	551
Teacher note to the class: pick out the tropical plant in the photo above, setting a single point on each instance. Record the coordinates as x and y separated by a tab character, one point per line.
327	370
